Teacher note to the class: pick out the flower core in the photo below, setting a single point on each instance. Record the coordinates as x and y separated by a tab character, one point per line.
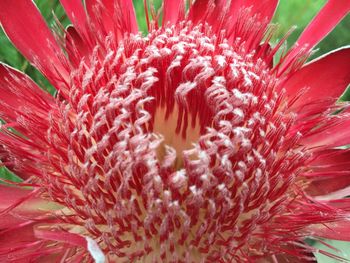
180	148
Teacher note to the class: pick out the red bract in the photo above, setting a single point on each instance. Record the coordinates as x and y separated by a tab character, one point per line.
185	145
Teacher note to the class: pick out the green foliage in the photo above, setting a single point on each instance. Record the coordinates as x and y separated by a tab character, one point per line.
299	13
342	250
7	175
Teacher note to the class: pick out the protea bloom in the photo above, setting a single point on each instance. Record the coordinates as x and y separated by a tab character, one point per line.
185	145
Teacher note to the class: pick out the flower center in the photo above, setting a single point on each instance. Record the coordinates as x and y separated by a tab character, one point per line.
179	149
173	140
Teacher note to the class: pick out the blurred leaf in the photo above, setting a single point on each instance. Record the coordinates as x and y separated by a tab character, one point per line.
342	246
7	175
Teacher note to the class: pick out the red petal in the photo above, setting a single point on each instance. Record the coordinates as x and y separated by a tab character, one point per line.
75	46
242	11
331	135
24	106
18	90
65	237
266	8
331	174
329	16
334	190
172	9
21	245
76	13
22	212
199	10
28	31
128	15
324	22
325	78
18	206
10	195
335	231
330	186
334	158
101	14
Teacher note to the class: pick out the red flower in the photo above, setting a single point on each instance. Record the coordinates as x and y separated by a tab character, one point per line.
185	145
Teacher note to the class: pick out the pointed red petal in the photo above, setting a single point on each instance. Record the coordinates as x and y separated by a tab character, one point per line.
325	78
76	13
240	12
28	31
21	245
23	212
336	190
101	19
75	46
172	10
74	240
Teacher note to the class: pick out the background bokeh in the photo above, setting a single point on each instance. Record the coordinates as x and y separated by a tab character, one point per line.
289	13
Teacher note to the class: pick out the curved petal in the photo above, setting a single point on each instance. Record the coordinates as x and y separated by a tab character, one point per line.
75	240
75	46
28	31
20	210
76	13
325	78
21	213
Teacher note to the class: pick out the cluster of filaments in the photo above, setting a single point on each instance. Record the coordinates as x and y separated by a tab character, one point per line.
176	149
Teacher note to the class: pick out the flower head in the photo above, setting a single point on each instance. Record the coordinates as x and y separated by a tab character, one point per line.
185	145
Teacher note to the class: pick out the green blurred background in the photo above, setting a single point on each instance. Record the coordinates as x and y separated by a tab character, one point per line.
289	13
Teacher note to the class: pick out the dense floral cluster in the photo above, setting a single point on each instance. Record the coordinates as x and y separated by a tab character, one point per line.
186	145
